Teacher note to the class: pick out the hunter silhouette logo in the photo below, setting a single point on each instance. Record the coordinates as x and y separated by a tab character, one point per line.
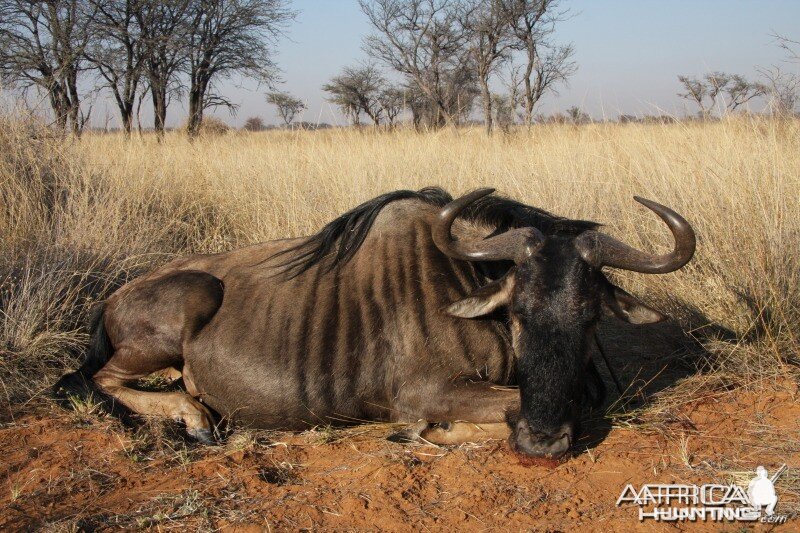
761	490
673	503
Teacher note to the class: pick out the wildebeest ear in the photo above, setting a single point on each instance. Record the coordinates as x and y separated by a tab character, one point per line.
484	300
626	307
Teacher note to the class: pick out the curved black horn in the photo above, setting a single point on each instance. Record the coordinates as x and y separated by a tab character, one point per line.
602	250
514	245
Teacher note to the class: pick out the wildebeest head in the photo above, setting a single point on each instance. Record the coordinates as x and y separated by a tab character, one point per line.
555	295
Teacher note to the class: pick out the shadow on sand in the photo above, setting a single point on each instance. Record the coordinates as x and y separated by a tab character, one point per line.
646	360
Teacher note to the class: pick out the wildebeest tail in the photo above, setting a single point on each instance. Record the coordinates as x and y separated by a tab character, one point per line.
79	384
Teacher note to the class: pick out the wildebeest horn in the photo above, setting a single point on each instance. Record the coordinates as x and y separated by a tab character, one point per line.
514	245
602	250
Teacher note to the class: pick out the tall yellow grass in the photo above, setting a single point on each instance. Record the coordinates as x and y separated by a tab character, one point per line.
79	216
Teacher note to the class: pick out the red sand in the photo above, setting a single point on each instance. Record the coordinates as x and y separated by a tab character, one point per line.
57	470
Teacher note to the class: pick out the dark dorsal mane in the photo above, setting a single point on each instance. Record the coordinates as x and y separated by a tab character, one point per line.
345	234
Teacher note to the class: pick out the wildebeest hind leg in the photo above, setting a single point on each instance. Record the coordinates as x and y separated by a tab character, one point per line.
127	366
148	327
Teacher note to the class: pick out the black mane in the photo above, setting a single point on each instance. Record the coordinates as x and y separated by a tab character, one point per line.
345	234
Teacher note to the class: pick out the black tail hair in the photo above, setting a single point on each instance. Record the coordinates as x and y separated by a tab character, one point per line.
79	384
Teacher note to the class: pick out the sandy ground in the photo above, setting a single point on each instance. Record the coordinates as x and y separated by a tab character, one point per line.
60	474
65	470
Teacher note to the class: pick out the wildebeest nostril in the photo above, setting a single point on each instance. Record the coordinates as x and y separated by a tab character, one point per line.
538	444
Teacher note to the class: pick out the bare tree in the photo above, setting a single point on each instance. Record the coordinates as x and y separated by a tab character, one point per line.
421	39
512	81
488	40
459	91
392	101
708	93
740	91
547	65
716	83
554	68
117	51
230	37
357	90
345	99
782	90
695	91
254	124
42	46
575	115
503	109
418	103
782	87
163	26
287	105
791	46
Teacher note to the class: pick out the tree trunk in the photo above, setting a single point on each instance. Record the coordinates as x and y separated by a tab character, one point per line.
75	119
195	112
443	116
124	105
529	100
528	103
486	95
139	114
416	118
126	113
159	96
59	107
439	114
74	105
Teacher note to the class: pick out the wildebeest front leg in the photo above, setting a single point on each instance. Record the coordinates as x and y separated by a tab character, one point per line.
456	413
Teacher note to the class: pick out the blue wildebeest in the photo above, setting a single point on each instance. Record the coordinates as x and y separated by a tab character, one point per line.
412	307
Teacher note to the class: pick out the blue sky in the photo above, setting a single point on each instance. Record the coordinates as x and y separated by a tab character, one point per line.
629	52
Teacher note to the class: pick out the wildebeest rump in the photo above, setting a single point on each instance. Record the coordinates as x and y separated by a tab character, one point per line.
412	307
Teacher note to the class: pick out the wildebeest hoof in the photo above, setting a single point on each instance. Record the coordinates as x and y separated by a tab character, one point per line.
402	437
409	433
202	435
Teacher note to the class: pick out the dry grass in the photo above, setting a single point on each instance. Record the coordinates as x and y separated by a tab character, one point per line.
78	218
